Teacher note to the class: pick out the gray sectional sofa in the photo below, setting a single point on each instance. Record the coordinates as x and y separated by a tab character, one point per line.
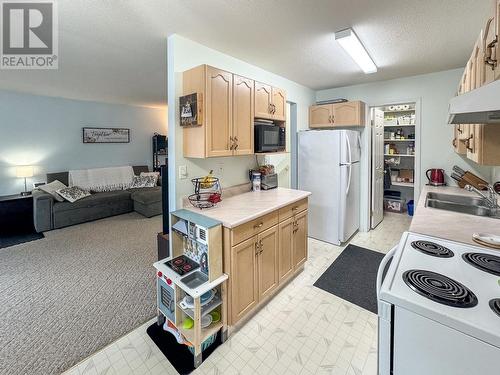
50	214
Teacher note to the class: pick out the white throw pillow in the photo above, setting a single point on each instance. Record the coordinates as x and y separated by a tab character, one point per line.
52	188
155	174
143	181
73	193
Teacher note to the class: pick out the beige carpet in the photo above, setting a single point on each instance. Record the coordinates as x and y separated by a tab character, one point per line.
68	295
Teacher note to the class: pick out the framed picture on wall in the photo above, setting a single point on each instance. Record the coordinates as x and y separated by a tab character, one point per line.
106	135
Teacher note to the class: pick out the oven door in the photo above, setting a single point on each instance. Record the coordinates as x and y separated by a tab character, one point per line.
267	138
166	299
385	321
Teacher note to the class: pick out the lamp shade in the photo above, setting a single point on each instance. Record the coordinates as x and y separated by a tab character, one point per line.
24	171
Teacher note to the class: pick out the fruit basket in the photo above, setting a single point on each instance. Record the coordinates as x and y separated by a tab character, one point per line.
207	192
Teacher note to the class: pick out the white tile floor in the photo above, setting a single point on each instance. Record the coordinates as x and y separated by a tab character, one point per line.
302	330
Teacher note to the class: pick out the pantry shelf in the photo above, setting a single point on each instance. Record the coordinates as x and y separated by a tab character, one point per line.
403	155
403	184
398	126
399	140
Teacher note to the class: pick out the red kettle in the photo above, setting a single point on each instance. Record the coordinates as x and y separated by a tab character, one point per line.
435	176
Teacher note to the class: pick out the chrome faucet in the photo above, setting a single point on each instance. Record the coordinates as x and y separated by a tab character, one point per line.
491	197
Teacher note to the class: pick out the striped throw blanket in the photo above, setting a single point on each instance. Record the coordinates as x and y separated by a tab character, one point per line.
102	179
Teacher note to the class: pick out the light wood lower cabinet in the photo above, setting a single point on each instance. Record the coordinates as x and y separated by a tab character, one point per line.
300	240
263	262
286	249
267	263
244	288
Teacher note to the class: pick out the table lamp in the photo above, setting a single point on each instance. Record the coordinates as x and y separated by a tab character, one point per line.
25	171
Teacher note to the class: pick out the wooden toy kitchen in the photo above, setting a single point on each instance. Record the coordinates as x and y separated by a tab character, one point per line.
191	284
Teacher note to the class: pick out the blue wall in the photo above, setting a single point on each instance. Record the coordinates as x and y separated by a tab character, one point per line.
47	132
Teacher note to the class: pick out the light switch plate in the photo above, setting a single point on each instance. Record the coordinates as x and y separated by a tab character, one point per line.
183	172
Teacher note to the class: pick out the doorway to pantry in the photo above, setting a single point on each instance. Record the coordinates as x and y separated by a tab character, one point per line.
395	164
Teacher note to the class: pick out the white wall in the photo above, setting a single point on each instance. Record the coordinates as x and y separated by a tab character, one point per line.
434	91
47	132
184	54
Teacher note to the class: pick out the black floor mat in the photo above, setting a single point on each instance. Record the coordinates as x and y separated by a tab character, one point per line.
178	355
353	277
7	240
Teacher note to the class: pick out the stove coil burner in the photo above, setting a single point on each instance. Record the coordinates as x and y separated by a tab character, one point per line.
440	288
495	305
433	249
484	262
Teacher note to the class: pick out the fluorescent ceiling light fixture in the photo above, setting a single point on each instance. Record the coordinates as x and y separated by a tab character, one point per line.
352	45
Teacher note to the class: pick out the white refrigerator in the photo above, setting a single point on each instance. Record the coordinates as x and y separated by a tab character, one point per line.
329	167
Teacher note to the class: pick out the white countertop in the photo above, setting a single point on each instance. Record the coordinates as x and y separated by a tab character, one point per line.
241	208
448	224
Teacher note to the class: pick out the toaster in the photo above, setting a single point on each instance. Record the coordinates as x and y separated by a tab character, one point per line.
269	181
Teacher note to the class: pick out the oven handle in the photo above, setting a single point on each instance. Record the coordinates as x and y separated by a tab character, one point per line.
382	266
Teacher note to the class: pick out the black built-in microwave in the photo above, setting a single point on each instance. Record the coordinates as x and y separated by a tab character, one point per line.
269	138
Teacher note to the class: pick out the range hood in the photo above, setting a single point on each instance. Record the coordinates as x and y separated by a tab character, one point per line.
479	106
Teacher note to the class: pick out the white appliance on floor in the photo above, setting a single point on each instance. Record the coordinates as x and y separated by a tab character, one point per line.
439	309
328	167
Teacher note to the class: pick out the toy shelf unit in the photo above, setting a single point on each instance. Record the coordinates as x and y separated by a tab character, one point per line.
190	284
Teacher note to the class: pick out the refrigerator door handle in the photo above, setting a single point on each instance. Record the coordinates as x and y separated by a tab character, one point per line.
348	148
348	180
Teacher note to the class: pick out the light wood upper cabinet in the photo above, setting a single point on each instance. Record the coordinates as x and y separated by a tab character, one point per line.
320	116
497	27
337	115
263	101
270	102
279	104
243	116
219	102
489	51
244	282
300	239
268	261
285	268
230	103
349	114
482	146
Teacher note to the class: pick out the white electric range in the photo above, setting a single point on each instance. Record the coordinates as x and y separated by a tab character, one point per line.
439	308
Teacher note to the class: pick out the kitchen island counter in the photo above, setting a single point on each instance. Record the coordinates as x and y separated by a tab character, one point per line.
242	208
448	224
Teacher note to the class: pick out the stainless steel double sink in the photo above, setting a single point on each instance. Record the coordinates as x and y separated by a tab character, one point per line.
461	203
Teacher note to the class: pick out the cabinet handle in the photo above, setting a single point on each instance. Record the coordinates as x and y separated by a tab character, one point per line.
261	246
489	53
468	143
459	129
333	119
295	208
270	109
454	142
256	248
258	225
330	118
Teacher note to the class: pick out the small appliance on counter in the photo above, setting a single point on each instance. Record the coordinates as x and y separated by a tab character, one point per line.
435	177
190	290
268	179
269	137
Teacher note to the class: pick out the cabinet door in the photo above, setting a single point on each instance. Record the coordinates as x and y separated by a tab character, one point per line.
263	100
219	112
489	48
268	261
279	104
497	26
348	114
300	239
285	258
244	282
243	116
320	116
